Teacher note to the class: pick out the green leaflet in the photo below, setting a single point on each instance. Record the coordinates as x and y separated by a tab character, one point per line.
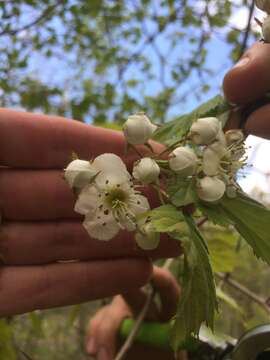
222	243
198	302
179	127
181	191
214	213
167	218
252	221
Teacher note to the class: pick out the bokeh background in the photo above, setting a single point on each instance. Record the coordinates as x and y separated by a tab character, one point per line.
98	61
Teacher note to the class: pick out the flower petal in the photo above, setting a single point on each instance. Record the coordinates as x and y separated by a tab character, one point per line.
138	204
101	229
88	200
112	170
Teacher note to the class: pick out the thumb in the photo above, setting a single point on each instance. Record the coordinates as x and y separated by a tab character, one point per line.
249	79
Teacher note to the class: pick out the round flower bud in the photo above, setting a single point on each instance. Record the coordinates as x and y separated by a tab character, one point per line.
266	29
211	162
234	136
80	173
147	238
183	161
138	129
205	130
146	170
210	189
263	5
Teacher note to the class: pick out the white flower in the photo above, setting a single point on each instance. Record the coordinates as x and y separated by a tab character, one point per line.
266	29
210	188
183	161
264	5
146	170
205	130
234	136
111	203
138	129
80	173
146	237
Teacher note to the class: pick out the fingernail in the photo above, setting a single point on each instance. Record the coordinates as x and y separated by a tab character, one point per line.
242	62
91	346
103	354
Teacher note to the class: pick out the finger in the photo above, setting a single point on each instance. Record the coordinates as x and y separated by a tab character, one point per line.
167	288
258	122
41	195
169	291
250	78
39	141
23	243
28	288
35	195
103	328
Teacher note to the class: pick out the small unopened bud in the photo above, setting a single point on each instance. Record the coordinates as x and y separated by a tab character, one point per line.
266	29
146	171
211	162
146	238
205	130
234	136
183	161
210	189
138	129
79	173
263	5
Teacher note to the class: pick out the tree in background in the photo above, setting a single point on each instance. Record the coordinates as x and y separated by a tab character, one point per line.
101	60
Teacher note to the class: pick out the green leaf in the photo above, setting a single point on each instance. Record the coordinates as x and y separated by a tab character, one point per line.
167	218
215	213
181	191
179	127
252	221
222	248
198	302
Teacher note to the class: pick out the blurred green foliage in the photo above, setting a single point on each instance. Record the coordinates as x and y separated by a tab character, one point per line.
101	60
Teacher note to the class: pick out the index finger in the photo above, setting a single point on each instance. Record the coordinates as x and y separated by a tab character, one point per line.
38	141
249	79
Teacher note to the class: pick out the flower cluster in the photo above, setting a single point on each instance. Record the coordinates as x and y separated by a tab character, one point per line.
108	194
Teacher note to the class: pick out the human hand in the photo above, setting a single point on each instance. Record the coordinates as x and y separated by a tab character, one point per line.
40	227
103	328
248	81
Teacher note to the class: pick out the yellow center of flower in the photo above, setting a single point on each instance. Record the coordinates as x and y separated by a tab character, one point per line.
115	197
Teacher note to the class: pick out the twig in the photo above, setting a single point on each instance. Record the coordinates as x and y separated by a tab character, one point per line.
245	291
248	28
40	18
130	339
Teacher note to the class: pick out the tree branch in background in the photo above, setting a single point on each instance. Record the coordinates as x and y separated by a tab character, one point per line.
248	29
42	17
245	291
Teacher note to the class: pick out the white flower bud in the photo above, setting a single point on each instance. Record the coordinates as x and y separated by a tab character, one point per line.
79	173
263	5
210	189
211	162
234	136
183	161
147	238
146	170
138	129
205	130
266	29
